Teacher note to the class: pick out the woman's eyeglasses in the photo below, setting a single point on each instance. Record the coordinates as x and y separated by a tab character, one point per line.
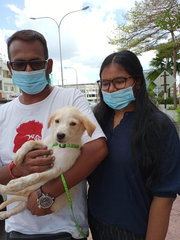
118	83
34	64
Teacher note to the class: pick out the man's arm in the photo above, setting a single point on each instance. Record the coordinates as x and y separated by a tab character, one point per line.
92	154
5	176
159	218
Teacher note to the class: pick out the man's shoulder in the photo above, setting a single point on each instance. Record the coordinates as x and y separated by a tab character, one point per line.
7	105
67	93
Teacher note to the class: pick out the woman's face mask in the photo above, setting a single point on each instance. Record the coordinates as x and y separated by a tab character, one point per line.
119	99
30	82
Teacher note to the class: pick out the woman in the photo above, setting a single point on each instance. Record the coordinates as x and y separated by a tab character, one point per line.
132	191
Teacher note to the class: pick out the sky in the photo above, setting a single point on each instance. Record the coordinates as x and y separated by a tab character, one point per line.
84	34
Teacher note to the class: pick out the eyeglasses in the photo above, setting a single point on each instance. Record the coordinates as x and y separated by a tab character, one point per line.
34	64
118	83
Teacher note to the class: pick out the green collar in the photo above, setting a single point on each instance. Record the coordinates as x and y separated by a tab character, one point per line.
63	145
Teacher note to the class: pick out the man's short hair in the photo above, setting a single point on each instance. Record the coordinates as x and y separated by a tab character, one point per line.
28	36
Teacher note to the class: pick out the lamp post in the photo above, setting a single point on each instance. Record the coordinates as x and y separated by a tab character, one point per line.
75	73
59	34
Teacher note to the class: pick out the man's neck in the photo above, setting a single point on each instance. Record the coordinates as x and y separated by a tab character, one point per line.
30	99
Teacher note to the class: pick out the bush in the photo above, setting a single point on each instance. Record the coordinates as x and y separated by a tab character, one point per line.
172	108
178	114
169	100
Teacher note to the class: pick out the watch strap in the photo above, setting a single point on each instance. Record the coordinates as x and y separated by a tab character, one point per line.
39	192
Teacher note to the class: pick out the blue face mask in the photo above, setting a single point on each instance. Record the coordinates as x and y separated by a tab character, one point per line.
119	99
30	82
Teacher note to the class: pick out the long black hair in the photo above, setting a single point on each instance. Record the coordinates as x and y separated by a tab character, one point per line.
149	128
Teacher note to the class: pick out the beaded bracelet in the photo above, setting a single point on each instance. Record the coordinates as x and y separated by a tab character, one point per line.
10	166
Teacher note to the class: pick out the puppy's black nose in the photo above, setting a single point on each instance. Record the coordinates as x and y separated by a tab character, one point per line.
60	136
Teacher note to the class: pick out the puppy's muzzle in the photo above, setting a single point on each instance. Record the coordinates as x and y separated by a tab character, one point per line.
60	136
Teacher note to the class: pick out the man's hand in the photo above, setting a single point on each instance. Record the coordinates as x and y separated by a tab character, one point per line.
33	206
35	161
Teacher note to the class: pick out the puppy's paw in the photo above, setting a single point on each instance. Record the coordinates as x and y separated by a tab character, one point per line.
3	215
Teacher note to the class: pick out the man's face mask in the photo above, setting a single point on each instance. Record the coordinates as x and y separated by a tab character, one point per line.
30	82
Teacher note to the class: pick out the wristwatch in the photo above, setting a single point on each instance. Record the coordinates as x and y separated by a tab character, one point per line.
44	200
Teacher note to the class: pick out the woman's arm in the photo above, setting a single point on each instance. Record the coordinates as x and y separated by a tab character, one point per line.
159	218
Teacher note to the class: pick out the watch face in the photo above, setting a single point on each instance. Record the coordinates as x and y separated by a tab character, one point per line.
45	201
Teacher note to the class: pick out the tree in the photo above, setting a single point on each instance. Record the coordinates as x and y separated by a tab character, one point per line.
148	24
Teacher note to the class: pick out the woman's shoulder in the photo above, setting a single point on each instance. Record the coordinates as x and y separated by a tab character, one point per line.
164	122
161	117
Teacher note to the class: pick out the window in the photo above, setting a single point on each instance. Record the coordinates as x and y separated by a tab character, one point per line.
6	88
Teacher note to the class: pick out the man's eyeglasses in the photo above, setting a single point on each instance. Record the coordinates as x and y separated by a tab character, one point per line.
118	83
34	64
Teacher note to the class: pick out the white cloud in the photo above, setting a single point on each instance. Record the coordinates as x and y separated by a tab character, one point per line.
83	34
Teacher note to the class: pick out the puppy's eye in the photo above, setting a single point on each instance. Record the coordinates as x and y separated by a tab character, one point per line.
57	121
72	123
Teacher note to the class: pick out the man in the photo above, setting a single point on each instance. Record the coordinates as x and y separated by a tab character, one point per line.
25	119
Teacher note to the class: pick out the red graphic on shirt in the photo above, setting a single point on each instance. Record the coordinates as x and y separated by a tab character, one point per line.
27	131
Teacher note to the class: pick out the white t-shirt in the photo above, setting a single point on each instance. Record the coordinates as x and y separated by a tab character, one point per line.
20	123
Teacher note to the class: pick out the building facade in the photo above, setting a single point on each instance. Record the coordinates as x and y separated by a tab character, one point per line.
8	90
90	90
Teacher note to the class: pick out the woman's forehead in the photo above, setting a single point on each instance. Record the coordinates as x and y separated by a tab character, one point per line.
113	70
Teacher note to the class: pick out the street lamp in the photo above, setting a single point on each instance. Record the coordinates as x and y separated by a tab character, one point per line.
75	73
59	34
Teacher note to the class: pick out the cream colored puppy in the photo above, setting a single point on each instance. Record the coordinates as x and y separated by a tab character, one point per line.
67	126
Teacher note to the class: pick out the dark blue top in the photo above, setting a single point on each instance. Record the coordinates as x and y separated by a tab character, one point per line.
117	193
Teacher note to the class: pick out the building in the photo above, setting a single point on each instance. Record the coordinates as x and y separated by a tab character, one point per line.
90	90
8	90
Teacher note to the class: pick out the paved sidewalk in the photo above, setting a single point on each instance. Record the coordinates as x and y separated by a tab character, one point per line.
174	225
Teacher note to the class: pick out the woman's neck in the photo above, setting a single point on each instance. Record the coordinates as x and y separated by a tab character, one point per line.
119	114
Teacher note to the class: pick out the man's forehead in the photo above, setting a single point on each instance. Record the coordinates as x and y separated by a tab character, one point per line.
19	48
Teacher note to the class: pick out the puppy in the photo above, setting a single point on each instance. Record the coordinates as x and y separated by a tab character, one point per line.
67	126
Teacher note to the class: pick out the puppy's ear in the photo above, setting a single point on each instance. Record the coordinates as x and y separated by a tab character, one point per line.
89	126
50	119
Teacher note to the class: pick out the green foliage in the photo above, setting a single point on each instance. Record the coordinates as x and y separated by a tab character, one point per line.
147	23
169	100
178	114
172	108
169	19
